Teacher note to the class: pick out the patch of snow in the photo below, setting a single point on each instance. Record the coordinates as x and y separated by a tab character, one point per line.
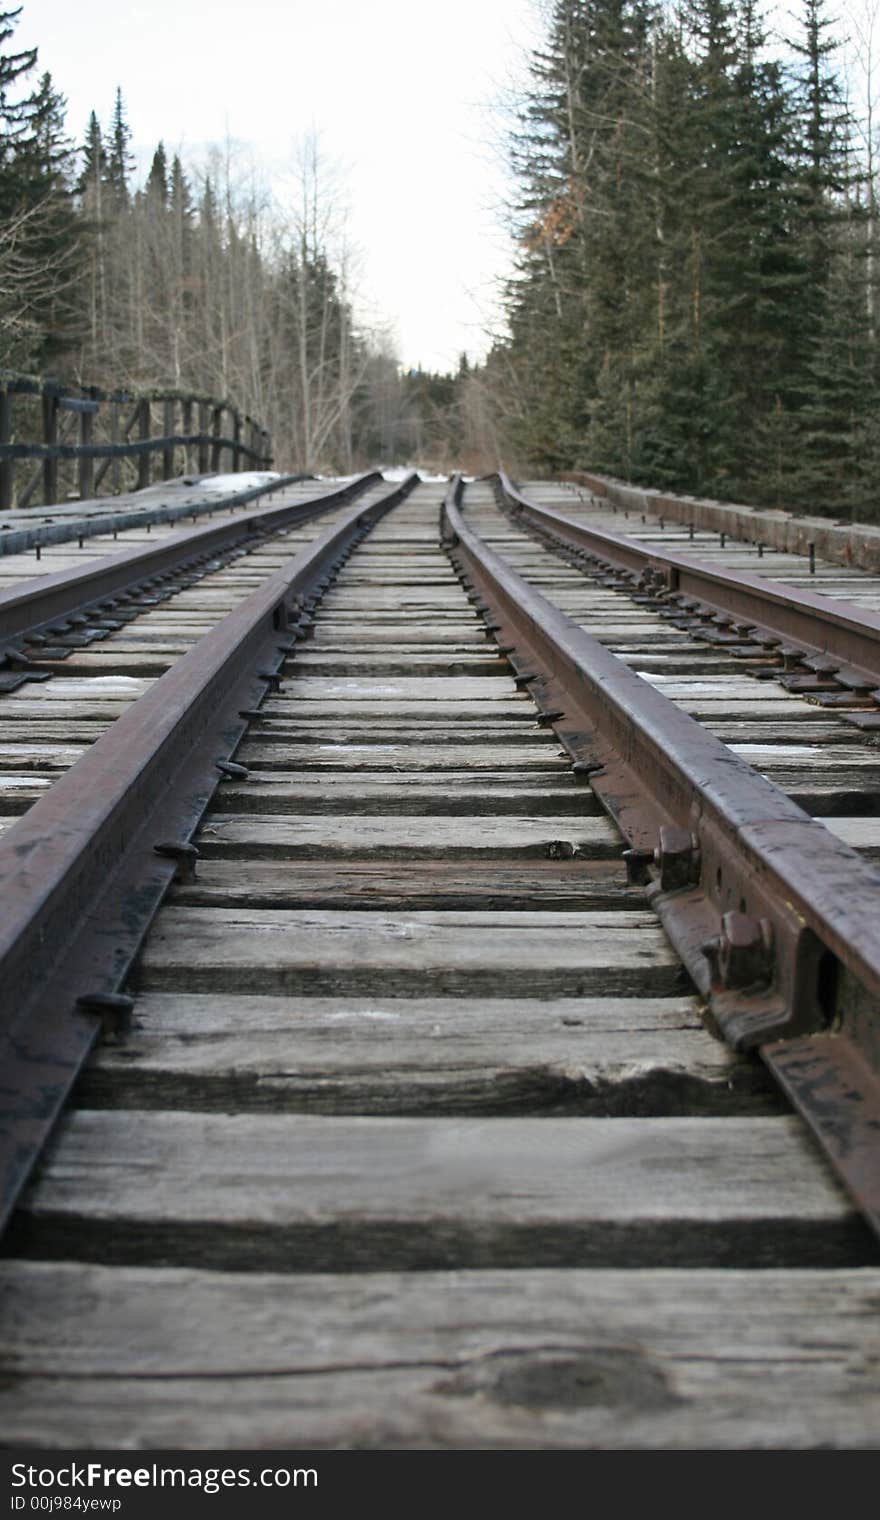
361	1013
793	751
229	485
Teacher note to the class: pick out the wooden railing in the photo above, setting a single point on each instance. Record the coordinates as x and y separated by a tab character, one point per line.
52	436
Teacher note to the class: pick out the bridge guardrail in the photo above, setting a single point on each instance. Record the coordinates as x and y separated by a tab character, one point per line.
199	443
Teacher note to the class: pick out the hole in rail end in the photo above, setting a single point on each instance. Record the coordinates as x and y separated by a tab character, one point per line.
827	985
819	985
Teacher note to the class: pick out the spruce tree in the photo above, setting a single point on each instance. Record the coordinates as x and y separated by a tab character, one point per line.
37	227
93	172
157	180
120	161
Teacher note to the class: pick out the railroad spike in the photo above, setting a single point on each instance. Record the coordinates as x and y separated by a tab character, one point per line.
272	676
115	1010
184	855
232	769
13	656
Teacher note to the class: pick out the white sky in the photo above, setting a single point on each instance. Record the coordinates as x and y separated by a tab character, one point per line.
401	93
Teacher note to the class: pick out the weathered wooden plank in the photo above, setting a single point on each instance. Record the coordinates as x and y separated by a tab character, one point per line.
278	835
397	663
619	1017
331	633
379	793
400	688
445	952
269	1192
525	883
153	659
79	688
18	793
774	755
823	731
438	1056
358	753
134	1358
473	729
756	710
110	662
30	755
63	731
392	710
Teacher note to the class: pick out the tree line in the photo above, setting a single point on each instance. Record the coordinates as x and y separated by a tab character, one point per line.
695	300
193	281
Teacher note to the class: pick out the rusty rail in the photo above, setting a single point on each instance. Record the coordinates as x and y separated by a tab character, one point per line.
838	642
83	592
84	871
777	922
67	523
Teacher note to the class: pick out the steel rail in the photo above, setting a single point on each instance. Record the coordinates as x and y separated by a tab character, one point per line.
777	922
25	533
842	640
84	871
84	591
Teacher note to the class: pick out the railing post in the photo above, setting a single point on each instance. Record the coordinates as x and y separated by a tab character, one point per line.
204	456
217	418
186	420
114	439
143	464
7	466
50	438
236	438
168	429
86	462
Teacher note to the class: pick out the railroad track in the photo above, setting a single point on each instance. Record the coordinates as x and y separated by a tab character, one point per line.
406	1128
31	531
84	638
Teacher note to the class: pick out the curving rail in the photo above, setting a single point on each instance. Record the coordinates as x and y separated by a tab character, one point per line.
826	635
28	613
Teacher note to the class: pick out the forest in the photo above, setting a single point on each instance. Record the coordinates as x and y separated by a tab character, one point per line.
695	301
194	281
694	297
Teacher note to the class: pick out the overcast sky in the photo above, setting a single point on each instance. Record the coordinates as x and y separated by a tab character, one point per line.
402	93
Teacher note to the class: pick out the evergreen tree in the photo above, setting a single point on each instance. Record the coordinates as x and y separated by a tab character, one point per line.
157	180
120	161
93	173
15	114
37	229
832	324
695	285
